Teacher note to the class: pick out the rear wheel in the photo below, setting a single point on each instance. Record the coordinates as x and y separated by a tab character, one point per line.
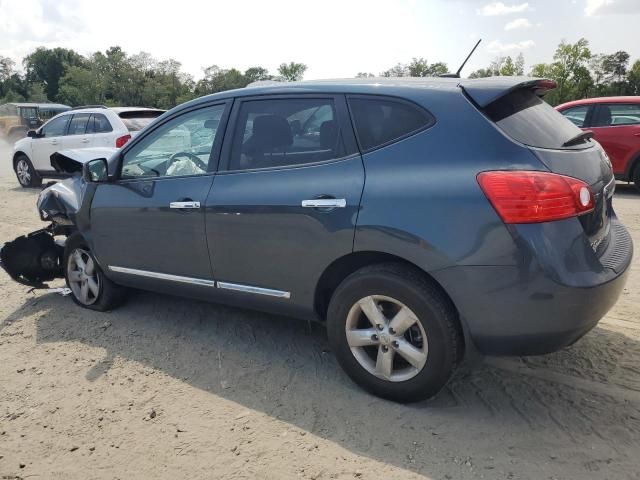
90	288
394	333
26	174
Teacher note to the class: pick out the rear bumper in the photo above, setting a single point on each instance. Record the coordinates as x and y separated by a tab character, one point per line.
529	309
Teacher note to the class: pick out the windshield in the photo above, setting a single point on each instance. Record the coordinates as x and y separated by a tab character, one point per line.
528	119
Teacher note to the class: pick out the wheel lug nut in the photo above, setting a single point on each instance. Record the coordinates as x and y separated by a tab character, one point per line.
385	348
374	337
392	331
395	344
380	327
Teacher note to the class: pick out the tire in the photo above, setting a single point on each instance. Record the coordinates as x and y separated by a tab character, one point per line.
81	271
25	173
636	176
434	332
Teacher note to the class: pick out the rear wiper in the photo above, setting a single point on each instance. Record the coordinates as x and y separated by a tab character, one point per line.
579	138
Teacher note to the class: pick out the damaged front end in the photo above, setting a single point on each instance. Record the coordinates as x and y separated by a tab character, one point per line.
37	258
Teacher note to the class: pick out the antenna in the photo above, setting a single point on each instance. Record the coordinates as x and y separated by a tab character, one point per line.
457	74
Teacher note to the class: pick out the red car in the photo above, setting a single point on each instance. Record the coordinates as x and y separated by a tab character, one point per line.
615	123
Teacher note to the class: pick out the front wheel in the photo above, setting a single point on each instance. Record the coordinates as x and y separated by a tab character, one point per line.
394	333
26	174
90	288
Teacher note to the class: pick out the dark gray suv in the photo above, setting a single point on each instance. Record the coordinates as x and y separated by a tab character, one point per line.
418	218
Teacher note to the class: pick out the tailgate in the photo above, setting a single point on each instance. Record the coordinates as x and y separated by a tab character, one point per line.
516	108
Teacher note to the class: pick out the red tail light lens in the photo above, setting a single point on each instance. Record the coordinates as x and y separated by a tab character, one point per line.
120	141
535	197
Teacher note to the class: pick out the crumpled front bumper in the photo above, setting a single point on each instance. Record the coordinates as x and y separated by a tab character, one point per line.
33	259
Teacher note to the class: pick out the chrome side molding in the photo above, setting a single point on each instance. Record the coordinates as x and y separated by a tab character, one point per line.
257	290
202	282
164	276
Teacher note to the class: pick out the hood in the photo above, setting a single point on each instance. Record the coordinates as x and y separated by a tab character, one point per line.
71	161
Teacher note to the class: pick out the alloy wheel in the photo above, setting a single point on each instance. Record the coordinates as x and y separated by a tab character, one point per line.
23	172
83	277
386	338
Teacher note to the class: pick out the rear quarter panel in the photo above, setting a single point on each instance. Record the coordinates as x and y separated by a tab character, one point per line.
421	200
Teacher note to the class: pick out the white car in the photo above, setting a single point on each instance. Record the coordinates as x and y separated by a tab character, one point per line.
81	127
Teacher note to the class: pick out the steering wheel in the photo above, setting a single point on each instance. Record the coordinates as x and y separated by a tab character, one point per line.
194	158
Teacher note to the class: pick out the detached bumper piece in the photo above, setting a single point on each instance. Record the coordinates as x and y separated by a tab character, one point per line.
33	259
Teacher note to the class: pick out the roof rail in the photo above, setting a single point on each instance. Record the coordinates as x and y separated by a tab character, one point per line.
80	107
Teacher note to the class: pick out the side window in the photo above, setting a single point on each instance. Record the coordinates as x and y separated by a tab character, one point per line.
625	114
55	127
181	146
78	124
576	115
379	120
285	132
98	123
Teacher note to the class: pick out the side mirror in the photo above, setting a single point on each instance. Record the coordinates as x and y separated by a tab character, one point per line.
96	171
32	134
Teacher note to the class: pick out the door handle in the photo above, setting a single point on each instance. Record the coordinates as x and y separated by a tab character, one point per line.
54	142
85	140
185	205
325	203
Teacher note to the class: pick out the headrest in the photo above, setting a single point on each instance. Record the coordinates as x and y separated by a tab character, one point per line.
271	131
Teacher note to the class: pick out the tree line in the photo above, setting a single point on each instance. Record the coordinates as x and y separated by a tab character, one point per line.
114	77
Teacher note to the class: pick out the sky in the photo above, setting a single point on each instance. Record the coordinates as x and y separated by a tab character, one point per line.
335	38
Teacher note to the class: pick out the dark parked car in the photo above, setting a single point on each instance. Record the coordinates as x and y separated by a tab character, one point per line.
615	123
420	219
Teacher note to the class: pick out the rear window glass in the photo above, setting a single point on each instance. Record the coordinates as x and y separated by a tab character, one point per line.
135	121
379	121
528	119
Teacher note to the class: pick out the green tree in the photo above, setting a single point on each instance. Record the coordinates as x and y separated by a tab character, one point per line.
292	71
36	93
6	68
419	67
256	74
217	79
399	70
634	79
48	66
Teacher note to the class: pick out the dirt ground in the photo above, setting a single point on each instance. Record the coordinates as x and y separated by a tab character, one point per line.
172	388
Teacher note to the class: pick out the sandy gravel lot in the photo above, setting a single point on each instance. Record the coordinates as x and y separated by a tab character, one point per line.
171	388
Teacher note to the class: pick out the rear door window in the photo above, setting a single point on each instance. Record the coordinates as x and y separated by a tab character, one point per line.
380	120
577	115
78	124
617	114
528	119
99	124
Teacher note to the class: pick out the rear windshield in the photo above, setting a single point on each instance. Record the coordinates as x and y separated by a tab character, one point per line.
528	119
135	121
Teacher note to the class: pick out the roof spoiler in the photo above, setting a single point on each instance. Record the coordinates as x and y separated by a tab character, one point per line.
484	91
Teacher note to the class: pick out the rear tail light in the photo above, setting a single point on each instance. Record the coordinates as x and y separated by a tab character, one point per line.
534	197
120	141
